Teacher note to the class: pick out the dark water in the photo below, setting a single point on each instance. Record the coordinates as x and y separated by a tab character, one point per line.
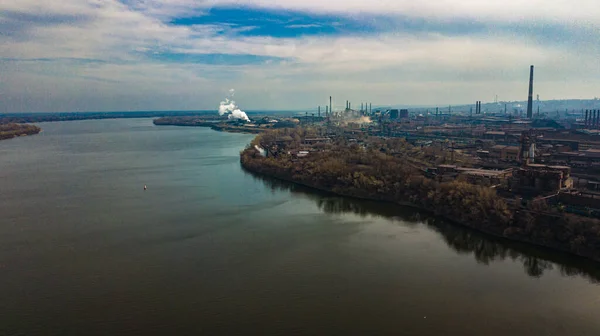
211	250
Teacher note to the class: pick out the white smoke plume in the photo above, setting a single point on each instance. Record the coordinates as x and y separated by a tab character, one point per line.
231	109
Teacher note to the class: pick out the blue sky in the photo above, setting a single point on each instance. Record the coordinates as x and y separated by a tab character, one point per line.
109	55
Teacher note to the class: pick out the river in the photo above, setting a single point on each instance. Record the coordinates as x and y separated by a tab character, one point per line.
209	249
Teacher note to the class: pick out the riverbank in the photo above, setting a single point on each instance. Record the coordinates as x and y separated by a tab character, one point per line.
352	171
215	123
9	131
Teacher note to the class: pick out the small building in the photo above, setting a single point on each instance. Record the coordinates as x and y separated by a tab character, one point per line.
506	153
494	135
486	177
312	141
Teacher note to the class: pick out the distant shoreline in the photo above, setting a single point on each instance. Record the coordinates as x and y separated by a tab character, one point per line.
20	118
215	123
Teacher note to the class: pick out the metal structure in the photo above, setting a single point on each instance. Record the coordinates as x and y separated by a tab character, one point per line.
527	149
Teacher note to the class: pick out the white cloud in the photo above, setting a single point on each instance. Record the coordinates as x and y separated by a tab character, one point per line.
390	67
511	10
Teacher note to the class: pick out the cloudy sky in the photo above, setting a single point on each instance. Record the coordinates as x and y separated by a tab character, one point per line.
121	55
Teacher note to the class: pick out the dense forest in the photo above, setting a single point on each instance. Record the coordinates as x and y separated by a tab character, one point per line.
9	131
391	170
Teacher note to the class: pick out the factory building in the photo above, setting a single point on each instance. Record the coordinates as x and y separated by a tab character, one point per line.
540	179
505	153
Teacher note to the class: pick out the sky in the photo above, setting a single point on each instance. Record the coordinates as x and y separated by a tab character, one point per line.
131	55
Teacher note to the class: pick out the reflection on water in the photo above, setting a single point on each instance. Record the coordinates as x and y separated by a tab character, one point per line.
484	248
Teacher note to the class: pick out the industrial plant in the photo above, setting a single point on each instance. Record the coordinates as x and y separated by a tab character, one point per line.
526	156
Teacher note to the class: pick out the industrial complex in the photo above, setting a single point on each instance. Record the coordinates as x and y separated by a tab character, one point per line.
528	156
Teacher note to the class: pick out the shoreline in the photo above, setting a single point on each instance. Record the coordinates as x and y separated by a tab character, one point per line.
212	125
494	233
13	130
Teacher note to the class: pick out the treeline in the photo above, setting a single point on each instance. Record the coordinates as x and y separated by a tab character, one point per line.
9	131
381	169
198	121
51	117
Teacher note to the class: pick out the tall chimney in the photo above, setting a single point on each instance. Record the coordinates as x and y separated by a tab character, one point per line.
530	97
319	111
326	110
586	118
330	106
437	110
361	107
370	108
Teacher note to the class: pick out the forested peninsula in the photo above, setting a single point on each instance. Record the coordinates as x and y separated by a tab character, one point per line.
392	170
9	131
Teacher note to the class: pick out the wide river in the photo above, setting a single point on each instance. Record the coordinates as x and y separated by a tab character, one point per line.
209	249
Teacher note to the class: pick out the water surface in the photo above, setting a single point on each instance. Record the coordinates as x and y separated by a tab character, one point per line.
209	249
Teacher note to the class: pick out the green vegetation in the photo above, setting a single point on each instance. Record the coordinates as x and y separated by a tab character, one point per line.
392	170
9	131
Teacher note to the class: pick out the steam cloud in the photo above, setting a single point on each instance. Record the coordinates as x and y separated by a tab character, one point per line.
233	111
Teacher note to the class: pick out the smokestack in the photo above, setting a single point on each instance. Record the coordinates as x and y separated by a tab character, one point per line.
586	118
330	106
437	111
326	110
370	108
361	107
504	108
319	111
530	97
